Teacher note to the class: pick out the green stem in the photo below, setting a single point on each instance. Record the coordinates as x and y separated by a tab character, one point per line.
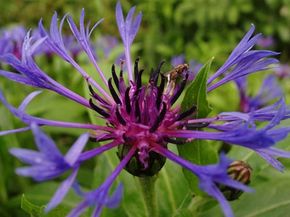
199	201
149	194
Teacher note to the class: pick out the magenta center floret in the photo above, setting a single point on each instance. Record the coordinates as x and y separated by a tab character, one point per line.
141	112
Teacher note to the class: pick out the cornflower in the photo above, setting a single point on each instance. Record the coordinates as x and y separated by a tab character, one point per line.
269	91
12	39
266	42
142	119
282	71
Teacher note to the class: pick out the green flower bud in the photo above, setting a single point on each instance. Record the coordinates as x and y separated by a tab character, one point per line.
136	167
241	172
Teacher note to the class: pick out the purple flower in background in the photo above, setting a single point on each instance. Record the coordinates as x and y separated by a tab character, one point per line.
269	91
142	119
266	42
12	40
177	60
282	71
106	44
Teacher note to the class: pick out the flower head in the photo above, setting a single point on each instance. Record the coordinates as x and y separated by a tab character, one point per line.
266	41
282	71
11	40
49	163
142	118
269	91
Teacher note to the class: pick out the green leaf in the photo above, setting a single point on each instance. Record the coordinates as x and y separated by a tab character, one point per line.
271	198
196	206
196	93
197	151
182	213
30	208
40	194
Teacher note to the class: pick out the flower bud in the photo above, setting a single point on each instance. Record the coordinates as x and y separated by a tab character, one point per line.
135	166
241	172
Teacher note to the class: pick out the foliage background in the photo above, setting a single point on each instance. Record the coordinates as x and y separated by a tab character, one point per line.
199	29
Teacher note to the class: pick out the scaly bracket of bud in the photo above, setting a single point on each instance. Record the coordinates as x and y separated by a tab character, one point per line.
241	172
154	162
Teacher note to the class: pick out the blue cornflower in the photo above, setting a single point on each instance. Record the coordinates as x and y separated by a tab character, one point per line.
106	44
142	119
49	163
243	61
12	39
269	91
282	71
266	42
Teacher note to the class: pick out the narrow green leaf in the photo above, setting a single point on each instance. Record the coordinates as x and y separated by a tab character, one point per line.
197	151
197	206
30	208
40	194
182	213
196	93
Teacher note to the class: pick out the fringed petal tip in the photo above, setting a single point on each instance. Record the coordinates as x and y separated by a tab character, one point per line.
27	155
45	144
74	152
270	156
114	200
19	130
77	189
101	197
28	99
129	26
61	191
243	61
98	199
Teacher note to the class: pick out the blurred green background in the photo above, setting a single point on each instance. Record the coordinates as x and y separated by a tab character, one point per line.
198	29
